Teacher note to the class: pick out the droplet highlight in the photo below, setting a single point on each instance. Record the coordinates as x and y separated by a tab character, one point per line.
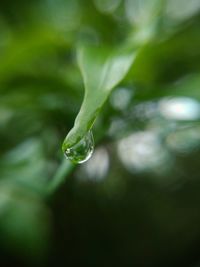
82	151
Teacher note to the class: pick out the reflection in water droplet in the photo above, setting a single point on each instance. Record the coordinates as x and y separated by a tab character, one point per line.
82	151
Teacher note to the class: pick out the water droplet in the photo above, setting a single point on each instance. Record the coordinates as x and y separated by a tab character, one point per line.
82	151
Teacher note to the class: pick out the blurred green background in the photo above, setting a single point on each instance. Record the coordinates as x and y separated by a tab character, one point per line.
136	202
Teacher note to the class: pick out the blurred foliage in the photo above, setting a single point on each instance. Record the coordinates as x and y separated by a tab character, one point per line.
136	201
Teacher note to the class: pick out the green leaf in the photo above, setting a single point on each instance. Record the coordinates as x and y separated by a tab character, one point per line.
102	69
142	12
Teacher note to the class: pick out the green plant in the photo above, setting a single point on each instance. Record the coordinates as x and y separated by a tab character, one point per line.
63	58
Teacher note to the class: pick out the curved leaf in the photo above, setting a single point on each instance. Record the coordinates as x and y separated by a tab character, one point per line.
102	69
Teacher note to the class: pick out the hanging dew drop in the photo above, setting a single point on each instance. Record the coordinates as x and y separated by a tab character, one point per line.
82	151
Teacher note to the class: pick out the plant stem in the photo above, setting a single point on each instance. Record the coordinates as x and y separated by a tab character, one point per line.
62	172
